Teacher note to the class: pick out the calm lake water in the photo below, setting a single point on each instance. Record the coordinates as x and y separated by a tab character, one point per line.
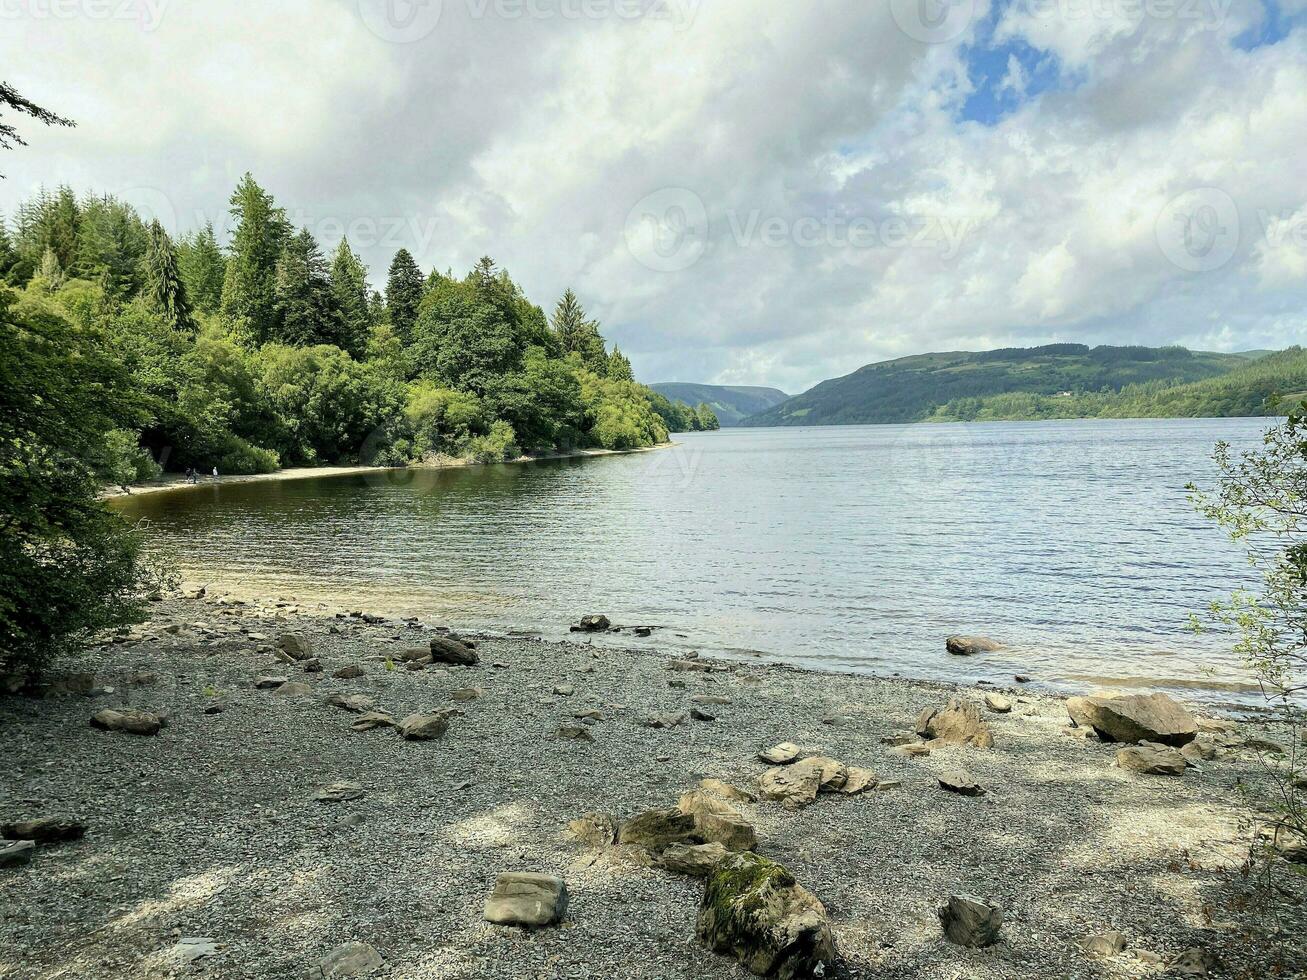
850	548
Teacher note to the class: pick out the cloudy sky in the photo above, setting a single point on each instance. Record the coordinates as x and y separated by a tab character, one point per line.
744	191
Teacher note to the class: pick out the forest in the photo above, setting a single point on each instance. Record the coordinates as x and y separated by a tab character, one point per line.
268	352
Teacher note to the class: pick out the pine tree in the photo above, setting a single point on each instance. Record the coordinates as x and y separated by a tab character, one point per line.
305	311
578	334
163	289
404	289
8	254
249	289
349	290
51	272
111	245
619	367
203	268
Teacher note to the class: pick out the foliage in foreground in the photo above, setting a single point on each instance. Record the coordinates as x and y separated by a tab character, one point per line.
68	567
272	353
1261	501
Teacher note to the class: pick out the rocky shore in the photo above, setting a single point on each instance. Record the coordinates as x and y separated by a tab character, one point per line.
271	790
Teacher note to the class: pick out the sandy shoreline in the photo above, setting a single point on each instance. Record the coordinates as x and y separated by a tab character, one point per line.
176	481
210	829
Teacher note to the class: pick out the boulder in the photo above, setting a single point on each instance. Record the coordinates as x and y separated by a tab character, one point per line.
781	755
15	852
528	900
1199	750
859	780
297	646
1135	718
1152	759
596	830
970	646
793	786
348	673
592	624
717	822
446	650
372	720
128	720
351	960
354	703
958	723
1104	944
970	921
696	860
424	728
44	830
754	911
960	782
657	830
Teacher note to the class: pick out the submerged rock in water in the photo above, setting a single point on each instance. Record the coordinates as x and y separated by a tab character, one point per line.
754	911
1135	718
592	624
970	646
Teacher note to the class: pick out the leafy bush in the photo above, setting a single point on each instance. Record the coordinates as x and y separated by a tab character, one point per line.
497	446
126	461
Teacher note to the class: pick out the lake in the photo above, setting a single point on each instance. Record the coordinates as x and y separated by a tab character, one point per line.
853	548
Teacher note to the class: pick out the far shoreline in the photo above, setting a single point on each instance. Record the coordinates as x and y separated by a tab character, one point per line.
177	481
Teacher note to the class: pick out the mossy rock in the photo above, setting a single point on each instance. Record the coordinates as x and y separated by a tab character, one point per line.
755	911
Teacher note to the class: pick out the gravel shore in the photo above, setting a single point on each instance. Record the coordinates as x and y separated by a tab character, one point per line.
210	830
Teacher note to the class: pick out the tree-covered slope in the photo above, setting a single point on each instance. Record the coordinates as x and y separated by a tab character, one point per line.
732	403
912	389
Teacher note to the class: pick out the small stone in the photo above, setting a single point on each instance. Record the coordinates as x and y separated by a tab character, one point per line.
914	750
859	780
658	829
663	721
598	830
791	786
312	666
45	830
424	728
466	694
712	699
348	673
726	791
528	900
294	690
781	755
351	960
355	703
450	650
269	683
838	721
716	821
1194	963
1023	679
128	720
960	782
1104	944
575	733
339	792
215	709
958	723
14	853
192	948
564	690
371	720
998	704
698	714
1152	759
970	921
592	624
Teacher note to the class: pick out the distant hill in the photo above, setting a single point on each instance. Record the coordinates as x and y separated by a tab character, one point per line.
731	403
917	388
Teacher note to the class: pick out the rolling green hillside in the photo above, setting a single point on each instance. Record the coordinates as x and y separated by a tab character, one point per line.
913	389
731	403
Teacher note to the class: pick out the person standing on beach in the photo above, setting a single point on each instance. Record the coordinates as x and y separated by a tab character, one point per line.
215	472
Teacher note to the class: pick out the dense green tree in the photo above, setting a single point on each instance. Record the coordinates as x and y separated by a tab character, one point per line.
8	254
163	289
404	290
306	311
349	290
249	290
51	275
619	367
203	269
68	567
705	418
49	222
578	334
111	246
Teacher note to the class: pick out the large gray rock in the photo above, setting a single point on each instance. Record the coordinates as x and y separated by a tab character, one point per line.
957	723
354	703
656	830
696	860
1104	944
1135	718
1152	759
754	911
45	830
297	646
351	960
529	900
445	650
781	755
15	852
970	646
792	786
716	821
128	720
424	728
971	921
592	624
598	830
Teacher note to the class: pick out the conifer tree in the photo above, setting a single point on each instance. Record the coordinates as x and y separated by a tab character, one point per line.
203	268
305	311
349	290
619	367
249	289
578	334
404	289
163	289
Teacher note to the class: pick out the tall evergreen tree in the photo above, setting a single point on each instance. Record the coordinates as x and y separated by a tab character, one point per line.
619	367
305	311
249	289
577	334
111	245
349	290
163	289
8	254
203	268
404	289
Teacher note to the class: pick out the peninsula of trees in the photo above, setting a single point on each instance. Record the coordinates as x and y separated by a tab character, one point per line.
268	353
